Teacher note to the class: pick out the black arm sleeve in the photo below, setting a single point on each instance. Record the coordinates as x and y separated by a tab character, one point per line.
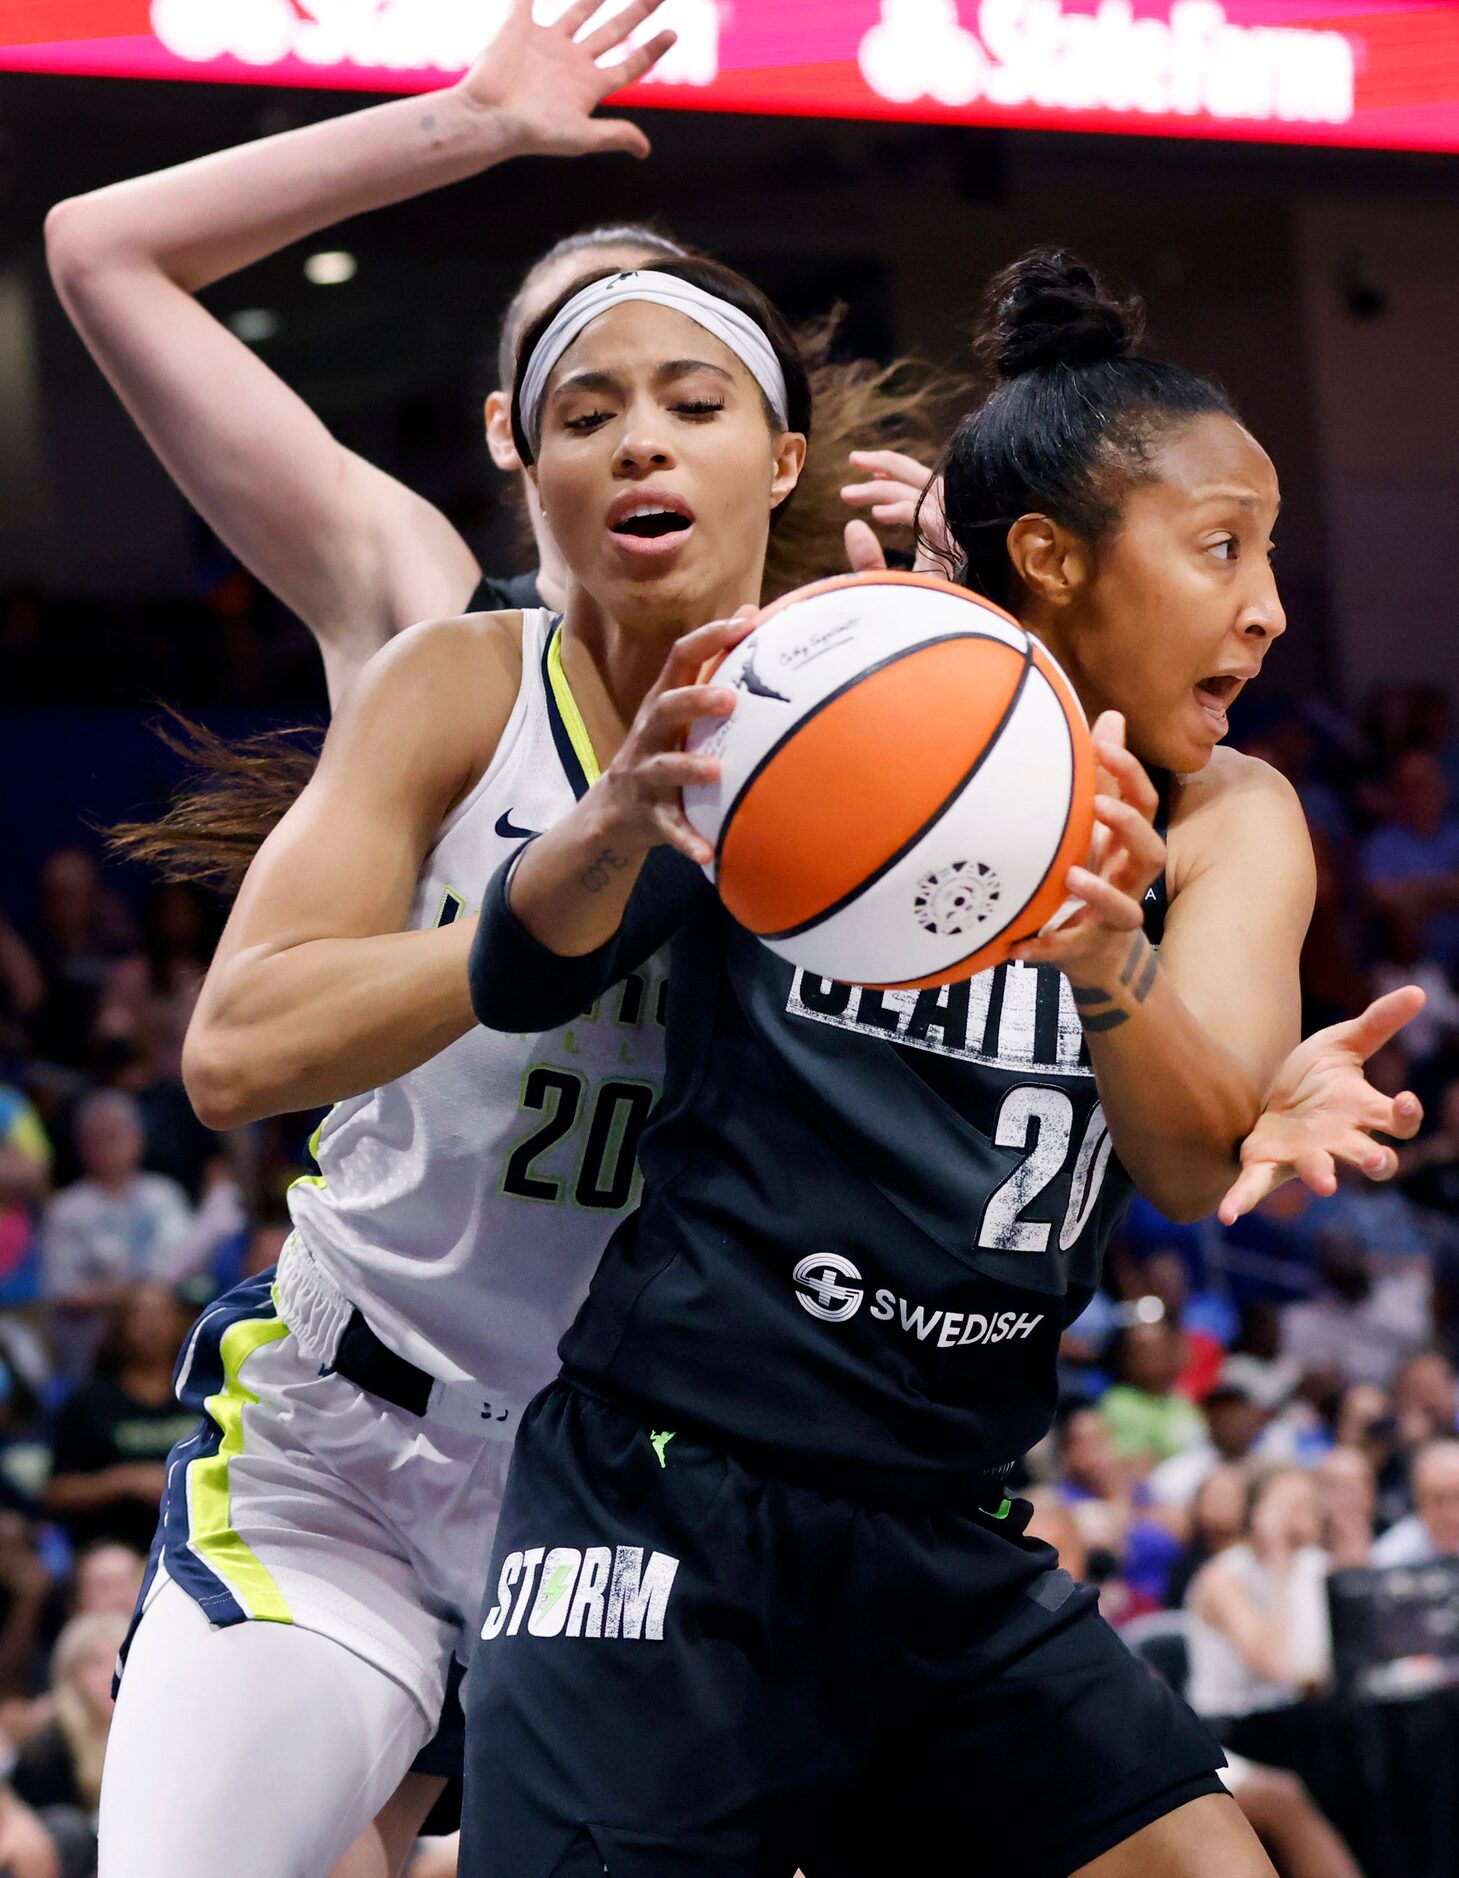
519	984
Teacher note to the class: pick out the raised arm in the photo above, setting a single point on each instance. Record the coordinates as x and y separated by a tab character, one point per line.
1185	1042
352	551
315	992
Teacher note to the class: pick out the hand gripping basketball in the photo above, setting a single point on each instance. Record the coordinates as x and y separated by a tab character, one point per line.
642	786
1127	856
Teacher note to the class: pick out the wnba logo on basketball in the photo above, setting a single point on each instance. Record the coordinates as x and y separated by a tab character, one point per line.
821	1289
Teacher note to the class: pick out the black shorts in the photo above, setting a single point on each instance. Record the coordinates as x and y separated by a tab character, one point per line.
688	1668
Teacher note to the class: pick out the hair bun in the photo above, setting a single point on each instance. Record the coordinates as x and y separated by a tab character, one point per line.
1050	309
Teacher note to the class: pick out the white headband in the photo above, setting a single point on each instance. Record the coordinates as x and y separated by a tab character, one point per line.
728	324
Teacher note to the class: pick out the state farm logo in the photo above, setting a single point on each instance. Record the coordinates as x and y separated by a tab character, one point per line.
404	35
1194	62
821	1287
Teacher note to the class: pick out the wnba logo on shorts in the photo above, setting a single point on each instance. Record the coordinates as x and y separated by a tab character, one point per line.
603	1591
821	1290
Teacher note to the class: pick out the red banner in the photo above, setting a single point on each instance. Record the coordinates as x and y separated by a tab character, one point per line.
1383	75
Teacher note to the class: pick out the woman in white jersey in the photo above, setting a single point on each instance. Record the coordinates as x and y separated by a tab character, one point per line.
348	548
319	1552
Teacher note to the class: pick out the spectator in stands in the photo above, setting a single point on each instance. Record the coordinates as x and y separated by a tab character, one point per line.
25	1587
110	1229
1130	1552
1217	1520
22	988
1426	1400
1369	1313
1260	1635
25	1178
1348	1494
82	929
1365	1420
1148	1419
108	1577
141	1025
1410	863
1431	1531
113	1434
1234	1423
60	1765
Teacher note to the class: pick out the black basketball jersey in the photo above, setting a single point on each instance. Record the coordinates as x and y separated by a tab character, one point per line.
867	1217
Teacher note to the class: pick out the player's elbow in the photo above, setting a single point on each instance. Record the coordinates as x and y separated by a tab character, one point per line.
215	1075
1186	1194
74	244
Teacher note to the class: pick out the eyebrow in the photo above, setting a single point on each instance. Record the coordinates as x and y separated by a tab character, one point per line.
664	374
1223	493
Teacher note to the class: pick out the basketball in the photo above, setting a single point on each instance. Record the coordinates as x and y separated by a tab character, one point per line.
907	777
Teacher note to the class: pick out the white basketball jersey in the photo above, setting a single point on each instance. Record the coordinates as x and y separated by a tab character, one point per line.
464	1206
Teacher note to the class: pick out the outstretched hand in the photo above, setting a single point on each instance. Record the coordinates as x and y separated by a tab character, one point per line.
1322	1109
547	82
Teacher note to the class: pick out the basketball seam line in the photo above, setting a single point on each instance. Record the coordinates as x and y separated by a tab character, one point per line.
908	984
823	704
855	893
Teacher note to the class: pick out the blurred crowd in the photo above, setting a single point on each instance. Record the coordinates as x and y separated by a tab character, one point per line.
1244	1411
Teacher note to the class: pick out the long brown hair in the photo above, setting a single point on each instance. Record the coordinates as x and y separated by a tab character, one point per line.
241	790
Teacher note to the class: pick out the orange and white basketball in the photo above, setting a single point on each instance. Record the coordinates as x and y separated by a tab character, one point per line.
907	778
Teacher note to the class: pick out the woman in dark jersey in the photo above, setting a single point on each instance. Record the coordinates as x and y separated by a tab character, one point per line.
758	1597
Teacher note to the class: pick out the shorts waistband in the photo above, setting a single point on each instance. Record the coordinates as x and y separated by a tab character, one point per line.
332	1331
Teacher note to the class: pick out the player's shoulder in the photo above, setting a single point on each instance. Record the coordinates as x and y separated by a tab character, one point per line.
1236	797
466	668
463	642
429	708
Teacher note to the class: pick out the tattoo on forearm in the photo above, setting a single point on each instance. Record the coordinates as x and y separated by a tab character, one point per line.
596	876
1097	1008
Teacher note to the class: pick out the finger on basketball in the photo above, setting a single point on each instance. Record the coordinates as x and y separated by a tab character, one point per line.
1105	901
671	771
673	713
1135	786
677	833
1126	821
694	650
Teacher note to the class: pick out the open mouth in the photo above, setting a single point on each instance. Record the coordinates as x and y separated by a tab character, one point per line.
651	523
1217	693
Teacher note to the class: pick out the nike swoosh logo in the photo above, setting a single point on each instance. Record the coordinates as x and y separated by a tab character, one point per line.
509	831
